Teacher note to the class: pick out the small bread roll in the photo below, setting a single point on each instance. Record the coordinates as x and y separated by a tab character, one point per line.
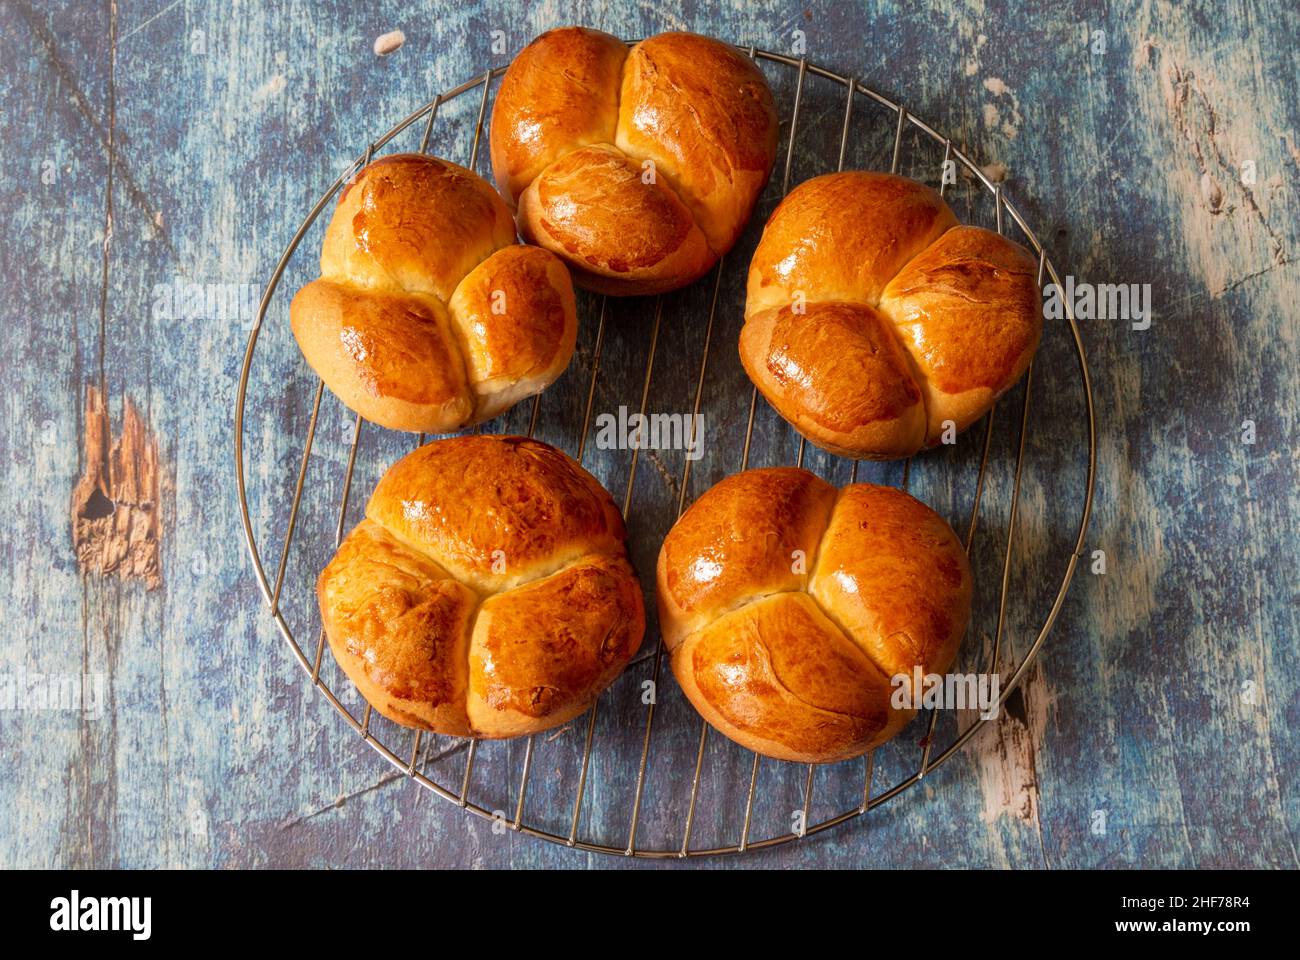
487	592
638	167
428	316
872	318
789	607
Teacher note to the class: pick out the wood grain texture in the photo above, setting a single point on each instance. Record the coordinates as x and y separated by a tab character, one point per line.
153	145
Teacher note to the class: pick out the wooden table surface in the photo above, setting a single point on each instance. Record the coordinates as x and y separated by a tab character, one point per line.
152	716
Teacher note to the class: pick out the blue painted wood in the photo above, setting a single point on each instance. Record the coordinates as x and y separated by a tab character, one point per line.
154	143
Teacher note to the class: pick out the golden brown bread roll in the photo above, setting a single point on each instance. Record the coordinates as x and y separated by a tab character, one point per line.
640	167
487	592
872	316
788	606
428	316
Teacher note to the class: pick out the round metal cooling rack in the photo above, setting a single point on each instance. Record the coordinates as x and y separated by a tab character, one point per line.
410	760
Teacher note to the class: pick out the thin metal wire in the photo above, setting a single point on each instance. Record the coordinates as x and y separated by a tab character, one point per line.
338	534
794	125
428	127
297	497
532	740
695	791
463	797
749	806
898	139
532	427
478	124
271	587
681	508
979	481
868	762
523	783
749	429
415	753
927	742
572	838
1015	502
844	142
848	118
807	799
659	647
347	482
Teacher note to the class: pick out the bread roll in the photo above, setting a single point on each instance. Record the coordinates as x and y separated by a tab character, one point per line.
487	592
872	317
639	168
788	607
428	316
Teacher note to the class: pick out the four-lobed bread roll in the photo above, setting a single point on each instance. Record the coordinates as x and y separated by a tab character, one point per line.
640	167
487	592
789	606
872	317
428	315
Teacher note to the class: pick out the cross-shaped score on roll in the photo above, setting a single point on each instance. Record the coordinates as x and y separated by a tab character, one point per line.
873	319
428	315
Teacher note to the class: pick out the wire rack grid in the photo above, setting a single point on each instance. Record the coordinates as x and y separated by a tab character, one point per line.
412	759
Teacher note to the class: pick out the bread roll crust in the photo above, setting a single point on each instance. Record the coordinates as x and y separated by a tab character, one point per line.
639	168
594	193
780	678
487	592
514	316
843	236
703	113
850	589
969	313
539	650
560	94
428	316
959	304
391	356
895	577
413	223
398	624
836	370
705	568
496	511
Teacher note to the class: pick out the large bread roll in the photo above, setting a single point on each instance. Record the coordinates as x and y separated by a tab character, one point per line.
486	593
428	316
640	167
788	606
872	316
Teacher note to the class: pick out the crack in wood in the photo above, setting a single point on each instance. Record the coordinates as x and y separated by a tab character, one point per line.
342	799
103	132
1197	121
116	526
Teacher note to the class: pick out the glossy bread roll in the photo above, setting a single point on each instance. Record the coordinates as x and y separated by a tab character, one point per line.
428	316
487	592
788	606
640	167
872	317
